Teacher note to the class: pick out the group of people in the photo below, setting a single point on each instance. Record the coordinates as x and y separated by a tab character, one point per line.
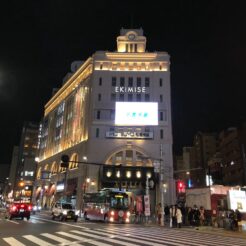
178	215
235	218
174	212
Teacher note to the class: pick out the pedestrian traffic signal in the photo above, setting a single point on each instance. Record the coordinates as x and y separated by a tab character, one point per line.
64	161
180	187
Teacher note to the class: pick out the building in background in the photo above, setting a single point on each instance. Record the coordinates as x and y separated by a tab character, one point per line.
25	162
113	110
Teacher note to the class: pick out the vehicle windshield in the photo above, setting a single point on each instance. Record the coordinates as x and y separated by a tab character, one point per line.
119	202
67	206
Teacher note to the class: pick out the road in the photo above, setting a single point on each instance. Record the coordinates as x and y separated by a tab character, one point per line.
41	230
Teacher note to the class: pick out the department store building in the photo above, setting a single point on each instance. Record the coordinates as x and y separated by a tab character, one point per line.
112	117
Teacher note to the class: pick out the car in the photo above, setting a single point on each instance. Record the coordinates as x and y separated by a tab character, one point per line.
64	211
36	208
19	210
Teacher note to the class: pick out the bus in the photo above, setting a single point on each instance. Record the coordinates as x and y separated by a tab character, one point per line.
107	205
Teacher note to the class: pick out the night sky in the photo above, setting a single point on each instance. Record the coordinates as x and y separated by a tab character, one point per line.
205	39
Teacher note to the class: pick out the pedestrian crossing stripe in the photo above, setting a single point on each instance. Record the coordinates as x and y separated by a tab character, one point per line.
171	235
129	236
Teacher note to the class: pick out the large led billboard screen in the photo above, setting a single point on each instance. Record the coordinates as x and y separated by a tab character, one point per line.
136	113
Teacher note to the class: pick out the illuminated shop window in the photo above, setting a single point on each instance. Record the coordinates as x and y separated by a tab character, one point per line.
74	161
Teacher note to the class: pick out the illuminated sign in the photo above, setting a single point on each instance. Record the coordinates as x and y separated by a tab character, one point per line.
237	200
129	134
130	89
136	113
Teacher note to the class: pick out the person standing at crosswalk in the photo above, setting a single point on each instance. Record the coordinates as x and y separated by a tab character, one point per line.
159	213
178	216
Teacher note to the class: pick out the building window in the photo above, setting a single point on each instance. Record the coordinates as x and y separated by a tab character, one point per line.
100	81
126	47
113	81
130	97
121	98
161	134
161	116
97	132
101	66
146	97
138	82
99	97
135	46
146	81
160	82
130	81
98	114
122	81
112	114
161	98
113	97
138	97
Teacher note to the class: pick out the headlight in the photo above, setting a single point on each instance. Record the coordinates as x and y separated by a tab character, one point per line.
128	214
39	207
34	208
112	213
77	212
64	212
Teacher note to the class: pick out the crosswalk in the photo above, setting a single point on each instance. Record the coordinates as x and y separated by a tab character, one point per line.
123	236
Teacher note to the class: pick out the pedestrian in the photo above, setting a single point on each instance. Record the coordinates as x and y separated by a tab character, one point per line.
202	215
238	218
167	212
190	216
158	213
178	217
173	221
196	216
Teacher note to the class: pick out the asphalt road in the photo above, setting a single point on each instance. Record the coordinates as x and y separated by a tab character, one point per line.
41	230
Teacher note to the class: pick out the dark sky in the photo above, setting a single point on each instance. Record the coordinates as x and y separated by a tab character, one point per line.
206	41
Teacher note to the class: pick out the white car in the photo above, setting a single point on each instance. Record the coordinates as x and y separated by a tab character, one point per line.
64	211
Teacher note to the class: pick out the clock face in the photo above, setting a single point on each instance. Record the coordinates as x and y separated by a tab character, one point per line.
131	36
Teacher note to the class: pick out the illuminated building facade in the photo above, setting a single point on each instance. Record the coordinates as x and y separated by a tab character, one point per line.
115	110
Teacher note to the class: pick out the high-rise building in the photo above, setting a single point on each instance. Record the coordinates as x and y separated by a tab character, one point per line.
114	115
26	164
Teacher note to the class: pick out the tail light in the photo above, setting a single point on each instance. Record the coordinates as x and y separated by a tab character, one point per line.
22	206
14	208
29	207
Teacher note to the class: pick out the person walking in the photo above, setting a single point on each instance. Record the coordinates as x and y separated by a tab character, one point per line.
178	217
159	213
202	215
173	220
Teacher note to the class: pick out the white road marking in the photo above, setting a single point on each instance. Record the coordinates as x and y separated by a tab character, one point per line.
13	222
13	242
37	241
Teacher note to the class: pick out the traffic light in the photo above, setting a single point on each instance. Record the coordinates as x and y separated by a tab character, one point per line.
64	161
180	186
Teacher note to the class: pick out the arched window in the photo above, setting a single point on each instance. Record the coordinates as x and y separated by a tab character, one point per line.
39	173
74	161
54	168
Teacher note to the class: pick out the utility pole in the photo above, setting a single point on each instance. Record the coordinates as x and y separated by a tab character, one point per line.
161	184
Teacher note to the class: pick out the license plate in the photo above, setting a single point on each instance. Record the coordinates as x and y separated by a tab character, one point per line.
68	217
22	210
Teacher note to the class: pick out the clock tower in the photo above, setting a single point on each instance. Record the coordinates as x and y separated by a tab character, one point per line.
131	41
